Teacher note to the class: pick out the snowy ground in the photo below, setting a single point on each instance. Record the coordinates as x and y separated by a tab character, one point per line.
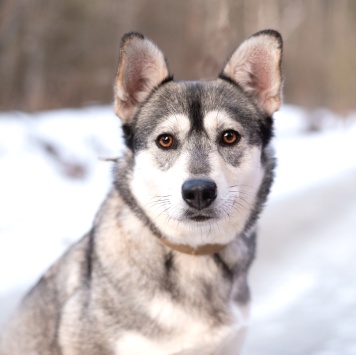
304	278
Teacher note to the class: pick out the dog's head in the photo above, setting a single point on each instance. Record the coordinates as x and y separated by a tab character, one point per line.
198	167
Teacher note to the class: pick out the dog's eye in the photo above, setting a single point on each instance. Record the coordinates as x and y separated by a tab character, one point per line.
230	137
165	141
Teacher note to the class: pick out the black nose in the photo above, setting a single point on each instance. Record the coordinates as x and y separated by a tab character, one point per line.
199	193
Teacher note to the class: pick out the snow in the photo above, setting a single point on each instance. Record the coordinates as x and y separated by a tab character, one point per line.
303	280
307	159
42	209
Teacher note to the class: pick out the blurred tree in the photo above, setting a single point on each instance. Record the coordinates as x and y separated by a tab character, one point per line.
64	53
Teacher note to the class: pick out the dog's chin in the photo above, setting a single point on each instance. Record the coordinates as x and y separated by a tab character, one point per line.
195	228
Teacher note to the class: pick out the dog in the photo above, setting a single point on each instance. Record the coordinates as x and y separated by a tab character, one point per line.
164	268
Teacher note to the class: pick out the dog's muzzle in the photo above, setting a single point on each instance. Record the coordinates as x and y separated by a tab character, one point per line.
199	193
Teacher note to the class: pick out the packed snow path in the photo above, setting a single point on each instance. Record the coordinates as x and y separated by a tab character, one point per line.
304	277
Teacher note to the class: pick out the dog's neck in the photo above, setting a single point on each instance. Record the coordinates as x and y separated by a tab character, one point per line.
207	249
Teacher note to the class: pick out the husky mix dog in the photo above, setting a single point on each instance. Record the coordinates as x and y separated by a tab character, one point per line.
164	268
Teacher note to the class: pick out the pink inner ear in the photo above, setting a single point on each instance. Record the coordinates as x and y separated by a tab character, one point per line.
133	78
265	72
141	69
255	66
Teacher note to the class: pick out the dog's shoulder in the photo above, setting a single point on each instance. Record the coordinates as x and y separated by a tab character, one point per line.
40	307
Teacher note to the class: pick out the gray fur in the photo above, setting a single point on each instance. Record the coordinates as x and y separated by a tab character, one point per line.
100	296
219	95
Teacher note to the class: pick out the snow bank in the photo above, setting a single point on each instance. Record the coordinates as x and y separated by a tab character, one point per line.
51	184
307	159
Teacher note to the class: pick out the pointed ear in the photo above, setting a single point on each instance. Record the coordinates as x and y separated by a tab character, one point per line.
142	67
256	67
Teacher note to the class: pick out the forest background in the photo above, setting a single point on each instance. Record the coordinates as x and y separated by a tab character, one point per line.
64	53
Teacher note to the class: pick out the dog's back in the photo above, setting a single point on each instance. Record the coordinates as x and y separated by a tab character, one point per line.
164	268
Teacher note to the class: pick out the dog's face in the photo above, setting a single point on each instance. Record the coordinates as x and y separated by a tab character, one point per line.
197	163
198	147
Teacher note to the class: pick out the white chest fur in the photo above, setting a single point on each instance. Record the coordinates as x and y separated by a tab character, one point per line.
188	334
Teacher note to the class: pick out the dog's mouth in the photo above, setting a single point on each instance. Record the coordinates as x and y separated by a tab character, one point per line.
198	217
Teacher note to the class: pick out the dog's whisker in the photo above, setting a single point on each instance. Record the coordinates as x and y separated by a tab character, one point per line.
111	159
247	203
158	199
157	204
243	185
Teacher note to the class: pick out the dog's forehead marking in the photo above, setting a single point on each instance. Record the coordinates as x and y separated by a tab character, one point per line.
174	124
219	120
213	122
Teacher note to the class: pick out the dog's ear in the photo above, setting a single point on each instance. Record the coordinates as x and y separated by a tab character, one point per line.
142	67
256	67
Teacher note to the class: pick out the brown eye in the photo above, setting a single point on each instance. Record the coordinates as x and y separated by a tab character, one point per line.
165	141
230	137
